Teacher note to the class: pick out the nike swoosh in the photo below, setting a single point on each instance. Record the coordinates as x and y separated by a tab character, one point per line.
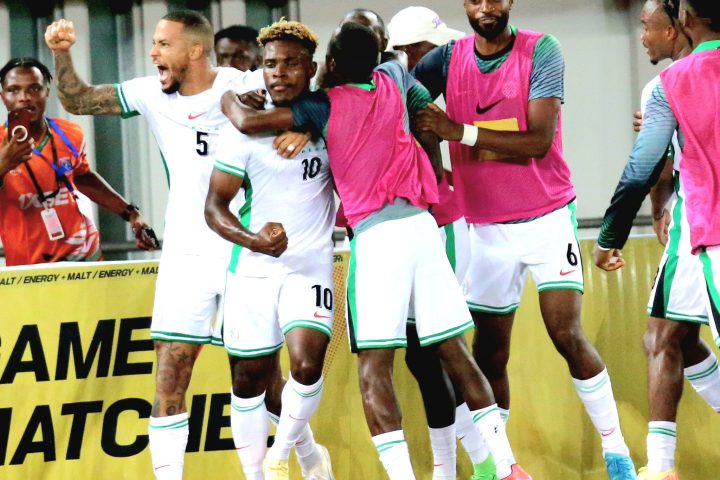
562	274
193	117
161	466
321	316
607	434
481	110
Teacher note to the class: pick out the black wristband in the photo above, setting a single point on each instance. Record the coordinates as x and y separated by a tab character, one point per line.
128	210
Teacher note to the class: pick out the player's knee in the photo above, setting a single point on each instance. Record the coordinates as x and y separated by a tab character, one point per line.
569	342
659	343
306	371
662	338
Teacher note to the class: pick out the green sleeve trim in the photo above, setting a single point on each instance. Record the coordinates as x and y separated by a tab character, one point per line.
226	168
126	112
418	98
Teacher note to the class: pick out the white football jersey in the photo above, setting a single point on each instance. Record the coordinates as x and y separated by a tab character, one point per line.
186	129
297	193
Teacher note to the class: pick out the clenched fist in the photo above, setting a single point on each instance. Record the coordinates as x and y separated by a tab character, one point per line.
60	35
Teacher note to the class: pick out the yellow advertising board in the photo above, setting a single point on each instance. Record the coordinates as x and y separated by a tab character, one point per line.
76	383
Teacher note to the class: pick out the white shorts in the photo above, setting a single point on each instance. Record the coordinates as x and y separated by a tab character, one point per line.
679	292
188	293
710	259
456	238
259	311
502	253
390	263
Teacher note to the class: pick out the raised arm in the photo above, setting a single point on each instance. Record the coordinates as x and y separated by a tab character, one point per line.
75	94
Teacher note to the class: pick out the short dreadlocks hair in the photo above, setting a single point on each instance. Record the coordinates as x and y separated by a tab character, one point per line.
291	31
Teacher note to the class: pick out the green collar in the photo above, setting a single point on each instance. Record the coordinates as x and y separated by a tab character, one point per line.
709	45
365	86
44	140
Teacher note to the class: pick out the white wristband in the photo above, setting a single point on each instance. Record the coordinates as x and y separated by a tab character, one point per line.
470	135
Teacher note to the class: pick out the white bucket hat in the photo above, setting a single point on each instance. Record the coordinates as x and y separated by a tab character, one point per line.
419	24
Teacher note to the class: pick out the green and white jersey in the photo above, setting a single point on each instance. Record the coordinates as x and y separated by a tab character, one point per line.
186	129
297	193
679	231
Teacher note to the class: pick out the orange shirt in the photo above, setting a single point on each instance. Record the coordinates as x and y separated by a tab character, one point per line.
22	230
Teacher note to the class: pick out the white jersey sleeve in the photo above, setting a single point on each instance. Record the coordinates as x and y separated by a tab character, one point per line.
250	81
233	151
135	95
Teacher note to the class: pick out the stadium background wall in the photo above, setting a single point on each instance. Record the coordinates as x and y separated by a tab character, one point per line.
606	68
76	376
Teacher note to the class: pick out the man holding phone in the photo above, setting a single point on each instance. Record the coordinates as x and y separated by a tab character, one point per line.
42	164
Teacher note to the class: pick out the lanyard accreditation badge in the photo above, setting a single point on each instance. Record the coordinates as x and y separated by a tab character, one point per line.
49	214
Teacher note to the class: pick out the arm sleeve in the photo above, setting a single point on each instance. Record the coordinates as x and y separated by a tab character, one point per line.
418	98
134	95
547	79
232	152
416	95
641	171
248	81
432	69
311	113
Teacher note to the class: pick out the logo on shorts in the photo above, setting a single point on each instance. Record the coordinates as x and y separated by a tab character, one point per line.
563	273
317	315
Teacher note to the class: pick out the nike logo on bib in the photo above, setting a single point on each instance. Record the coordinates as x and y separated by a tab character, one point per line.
480	110
562	273
193	117
320	316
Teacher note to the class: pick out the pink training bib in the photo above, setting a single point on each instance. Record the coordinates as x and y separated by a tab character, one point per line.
490	190
691	87
373	160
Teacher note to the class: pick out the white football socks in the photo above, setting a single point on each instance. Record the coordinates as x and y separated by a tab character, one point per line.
705	379
299	403
249	423
394	455
444	448
661	441
168	439
597	395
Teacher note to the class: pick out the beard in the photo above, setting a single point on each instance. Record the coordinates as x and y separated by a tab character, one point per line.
172	88
492	32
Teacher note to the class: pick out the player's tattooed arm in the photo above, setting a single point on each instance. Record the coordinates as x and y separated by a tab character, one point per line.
78	97
75	94
254	121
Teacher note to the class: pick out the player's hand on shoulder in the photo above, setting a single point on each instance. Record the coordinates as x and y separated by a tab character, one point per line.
637	121
608	259
254	99
289	144
60	35
270	240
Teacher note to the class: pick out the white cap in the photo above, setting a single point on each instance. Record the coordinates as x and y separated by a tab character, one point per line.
419	24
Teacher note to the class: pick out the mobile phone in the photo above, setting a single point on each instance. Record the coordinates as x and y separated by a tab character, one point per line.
150	237
19	124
